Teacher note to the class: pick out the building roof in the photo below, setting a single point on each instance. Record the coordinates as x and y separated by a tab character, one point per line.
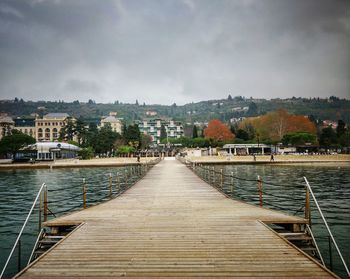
53	145
56	115
110	119
6	119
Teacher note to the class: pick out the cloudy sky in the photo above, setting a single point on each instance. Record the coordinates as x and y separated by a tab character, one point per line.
170	51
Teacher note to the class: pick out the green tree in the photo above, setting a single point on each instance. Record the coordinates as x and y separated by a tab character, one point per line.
328	137
13	143
86	153
242	134
133	136
341	128
299	138
68	131
105	139
195	132
253	109
163	134
344	139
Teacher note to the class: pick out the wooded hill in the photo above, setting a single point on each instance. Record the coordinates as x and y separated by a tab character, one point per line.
331	108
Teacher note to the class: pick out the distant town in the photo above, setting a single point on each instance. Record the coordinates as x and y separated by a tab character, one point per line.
235	121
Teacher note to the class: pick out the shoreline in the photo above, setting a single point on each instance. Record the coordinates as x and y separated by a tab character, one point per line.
343	159
76	163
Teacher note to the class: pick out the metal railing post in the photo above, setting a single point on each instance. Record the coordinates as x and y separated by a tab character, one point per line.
40	209
84	194
110	184
330	253
260	191
19	255
221	179
45	204
231	183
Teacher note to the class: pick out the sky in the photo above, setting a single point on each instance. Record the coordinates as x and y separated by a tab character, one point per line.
173	51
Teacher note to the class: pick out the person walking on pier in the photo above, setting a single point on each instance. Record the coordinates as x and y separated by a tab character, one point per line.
272	159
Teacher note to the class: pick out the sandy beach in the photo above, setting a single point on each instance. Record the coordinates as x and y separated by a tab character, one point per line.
76	163
278	159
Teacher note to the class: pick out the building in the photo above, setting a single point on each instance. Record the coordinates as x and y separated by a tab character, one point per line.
246	149
152	127
115	123
47	151
6	125
26	126
48	128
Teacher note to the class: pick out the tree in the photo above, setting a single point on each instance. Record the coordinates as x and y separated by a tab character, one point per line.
68	131
299	138
13	143
341	129
146	141
344	139
194	132
328	137
105	139
218	131
229	97
86	153
133	136
163	134
242	134
253	109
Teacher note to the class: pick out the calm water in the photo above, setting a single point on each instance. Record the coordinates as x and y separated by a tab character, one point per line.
331	185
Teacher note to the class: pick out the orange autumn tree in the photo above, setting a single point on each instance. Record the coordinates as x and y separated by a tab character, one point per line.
218	131
274	125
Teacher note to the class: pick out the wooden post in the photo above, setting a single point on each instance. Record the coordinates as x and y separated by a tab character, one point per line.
231	183
126	177
45	204
260	190
110	184
84	194
117	182
307	206
221	179
214	176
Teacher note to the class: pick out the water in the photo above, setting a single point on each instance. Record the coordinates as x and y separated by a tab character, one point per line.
18	189
283	190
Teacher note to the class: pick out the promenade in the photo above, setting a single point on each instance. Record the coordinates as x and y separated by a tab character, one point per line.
172	224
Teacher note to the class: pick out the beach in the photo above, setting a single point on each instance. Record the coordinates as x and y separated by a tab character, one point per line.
77	163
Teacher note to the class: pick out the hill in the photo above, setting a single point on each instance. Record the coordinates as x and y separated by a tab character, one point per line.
331	108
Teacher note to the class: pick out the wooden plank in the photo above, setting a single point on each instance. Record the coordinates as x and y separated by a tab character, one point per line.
172	224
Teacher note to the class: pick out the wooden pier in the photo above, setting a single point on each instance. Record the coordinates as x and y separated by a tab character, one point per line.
172	224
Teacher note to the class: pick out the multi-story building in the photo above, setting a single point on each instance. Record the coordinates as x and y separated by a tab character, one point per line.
25	125
6	125
152	127
115	123
48	128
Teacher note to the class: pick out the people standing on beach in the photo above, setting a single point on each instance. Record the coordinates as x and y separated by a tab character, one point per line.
272	159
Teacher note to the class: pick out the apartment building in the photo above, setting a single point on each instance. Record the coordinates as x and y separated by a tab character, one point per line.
152	127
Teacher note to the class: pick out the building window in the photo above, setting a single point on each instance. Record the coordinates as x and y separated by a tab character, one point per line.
54	133
40	133
47	133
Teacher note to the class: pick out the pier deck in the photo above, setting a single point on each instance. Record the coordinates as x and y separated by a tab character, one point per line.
172	224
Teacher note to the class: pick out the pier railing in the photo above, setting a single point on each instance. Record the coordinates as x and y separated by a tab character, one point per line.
93	191
294	200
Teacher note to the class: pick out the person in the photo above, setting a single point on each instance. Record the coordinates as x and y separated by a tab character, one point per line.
254	157
272	158
138	157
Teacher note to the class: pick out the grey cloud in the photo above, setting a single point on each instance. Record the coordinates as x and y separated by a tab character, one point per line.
173	51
